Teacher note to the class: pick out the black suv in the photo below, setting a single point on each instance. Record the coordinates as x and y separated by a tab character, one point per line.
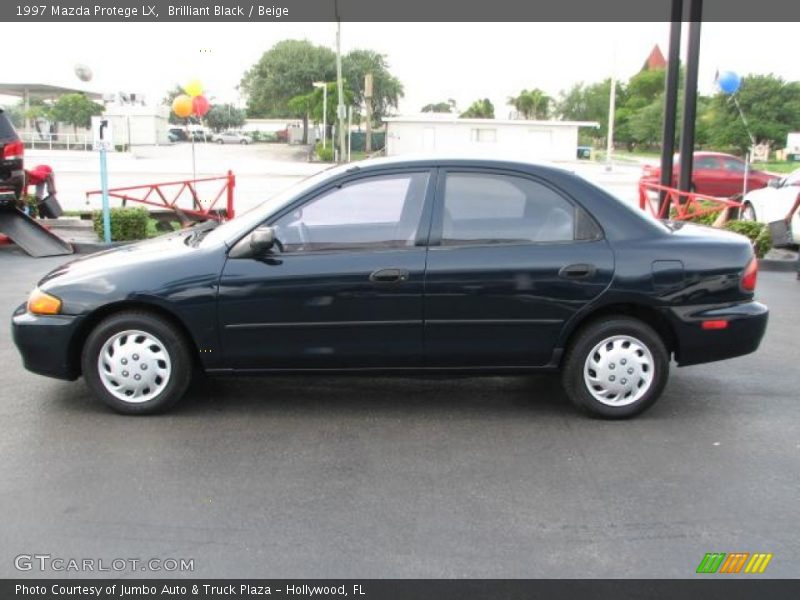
12	175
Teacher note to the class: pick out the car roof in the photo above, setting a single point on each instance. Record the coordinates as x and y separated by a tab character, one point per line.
467	159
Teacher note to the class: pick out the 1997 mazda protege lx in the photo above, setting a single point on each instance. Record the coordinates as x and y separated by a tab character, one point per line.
408	267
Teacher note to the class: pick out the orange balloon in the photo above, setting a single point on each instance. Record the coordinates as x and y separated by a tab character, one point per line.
182	106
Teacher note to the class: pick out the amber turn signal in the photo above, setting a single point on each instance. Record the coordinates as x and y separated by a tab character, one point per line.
41	303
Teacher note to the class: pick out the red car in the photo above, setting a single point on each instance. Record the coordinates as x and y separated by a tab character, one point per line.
714	174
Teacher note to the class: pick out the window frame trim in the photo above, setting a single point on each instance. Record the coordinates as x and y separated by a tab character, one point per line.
437	221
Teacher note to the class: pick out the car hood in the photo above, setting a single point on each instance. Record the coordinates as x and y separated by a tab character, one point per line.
162	248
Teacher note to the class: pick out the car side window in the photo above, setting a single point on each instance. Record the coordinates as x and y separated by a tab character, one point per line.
731	164
485	208
706	162
379	212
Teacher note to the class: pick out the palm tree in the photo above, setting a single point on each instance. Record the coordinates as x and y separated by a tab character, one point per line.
532	104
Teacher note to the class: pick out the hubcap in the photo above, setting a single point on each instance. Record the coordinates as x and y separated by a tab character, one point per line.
134	366
619	370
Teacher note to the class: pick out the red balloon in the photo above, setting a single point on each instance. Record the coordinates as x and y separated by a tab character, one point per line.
200	105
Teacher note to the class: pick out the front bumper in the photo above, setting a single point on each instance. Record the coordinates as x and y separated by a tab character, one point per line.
747	323
46	343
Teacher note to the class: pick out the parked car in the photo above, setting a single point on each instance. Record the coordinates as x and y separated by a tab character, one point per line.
177	134
12	150
405	266
773	202
231	137
714	174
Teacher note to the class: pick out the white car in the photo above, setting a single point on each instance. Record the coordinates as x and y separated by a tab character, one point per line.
773	202
231	137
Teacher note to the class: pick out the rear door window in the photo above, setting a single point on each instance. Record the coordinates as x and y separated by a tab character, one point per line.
7	132
488	208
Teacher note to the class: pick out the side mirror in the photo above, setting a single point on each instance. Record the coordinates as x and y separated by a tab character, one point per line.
775	183
262	239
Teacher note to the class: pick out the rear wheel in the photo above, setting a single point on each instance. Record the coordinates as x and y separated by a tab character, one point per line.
137	363
616	368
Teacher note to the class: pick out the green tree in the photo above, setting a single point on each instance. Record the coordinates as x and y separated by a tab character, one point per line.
225	116
75	109
311	104
770	105
532	104
286	70
386	88
440	107
589	102
480	109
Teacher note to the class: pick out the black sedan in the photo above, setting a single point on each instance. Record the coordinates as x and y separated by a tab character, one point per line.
408	267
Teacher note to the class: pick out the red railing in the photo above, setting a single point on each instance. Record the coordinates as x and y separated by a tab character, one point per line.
168	195
679	205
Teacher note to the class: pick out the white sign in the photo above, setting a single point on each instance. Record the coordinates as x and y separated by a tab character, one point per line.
102	138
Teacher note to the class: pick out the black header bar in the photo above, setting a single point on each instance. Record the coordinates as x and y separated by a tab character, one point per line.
33	11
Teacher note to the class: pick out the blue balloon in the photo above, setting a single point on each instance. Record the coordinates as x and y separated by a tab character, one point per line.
729	82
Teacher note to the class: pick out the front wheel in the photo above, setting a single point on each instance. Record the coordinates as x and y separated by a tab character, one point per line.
137	363
616	368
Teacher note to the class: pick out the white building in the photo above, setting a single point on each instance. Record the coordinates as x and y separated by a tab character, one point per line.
138	124
447	134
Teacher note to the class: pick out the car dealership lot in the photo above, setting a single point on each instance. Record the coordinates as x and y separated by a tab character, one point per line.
341	477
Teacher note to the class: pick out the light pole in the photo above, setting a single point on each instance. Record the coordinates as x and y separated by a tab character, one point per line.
324	86
341	113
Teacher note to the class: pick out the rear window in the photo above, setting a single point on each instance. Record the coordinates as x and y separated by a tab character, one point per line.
6	129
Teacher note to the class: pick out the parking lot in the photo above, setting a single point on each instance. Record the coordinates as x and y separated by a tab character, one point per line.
378	477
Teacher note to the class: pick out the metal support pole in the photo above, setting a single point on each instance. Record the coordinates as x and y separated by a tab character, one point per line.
340	110
104	185
368	111
690	95
349	131
670	102
612	102
325	115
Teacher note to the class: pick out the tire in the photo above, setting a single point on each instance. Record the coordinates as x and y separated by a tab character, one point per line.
636	350
162	375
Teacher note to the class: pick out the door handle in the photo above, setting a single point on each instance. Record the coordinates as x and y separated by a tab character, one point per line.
577	271
389	276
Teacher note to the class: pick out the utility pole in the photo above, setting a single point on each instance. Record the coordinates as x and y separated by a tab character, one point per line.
690	95
368	110
611	110
341	114
670	103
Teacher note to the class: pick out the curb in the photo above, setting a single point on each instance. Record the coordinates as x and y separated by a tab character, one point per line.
769	264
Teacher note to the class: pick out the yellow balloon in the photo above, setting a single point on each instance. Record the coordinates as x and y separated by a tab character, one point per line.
193	88
182	106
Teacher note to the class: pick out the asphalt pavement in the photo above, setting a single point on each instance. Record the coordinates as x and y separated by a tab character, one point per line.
381	477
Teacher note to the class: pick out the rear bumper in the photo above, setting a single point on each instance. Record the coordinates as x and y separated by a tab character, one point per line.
45	343
746	324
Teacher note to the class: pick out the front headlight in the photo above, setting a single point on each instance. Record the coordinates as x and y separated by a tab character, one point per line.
42	303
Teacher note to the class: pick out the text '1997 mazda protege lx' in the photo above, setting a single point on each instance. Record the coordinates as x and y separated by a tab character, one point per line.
407	267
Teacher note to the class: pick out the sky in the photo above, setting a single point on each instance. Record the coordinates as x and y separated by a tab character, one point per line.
434	61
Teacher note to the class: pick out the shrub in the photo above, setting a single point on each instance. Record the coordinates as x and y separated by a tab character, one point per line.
126	223
325	154
757	232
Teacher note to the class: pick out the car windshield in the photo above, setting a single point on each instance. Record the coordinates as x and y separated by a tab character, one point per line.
254	216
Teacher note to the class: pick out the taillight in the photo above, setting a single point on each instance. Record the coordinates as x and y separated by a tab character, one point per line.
750	275
13	150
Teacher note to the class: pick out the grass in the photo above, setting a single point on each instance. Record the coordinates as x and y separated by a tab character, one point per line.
776	166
